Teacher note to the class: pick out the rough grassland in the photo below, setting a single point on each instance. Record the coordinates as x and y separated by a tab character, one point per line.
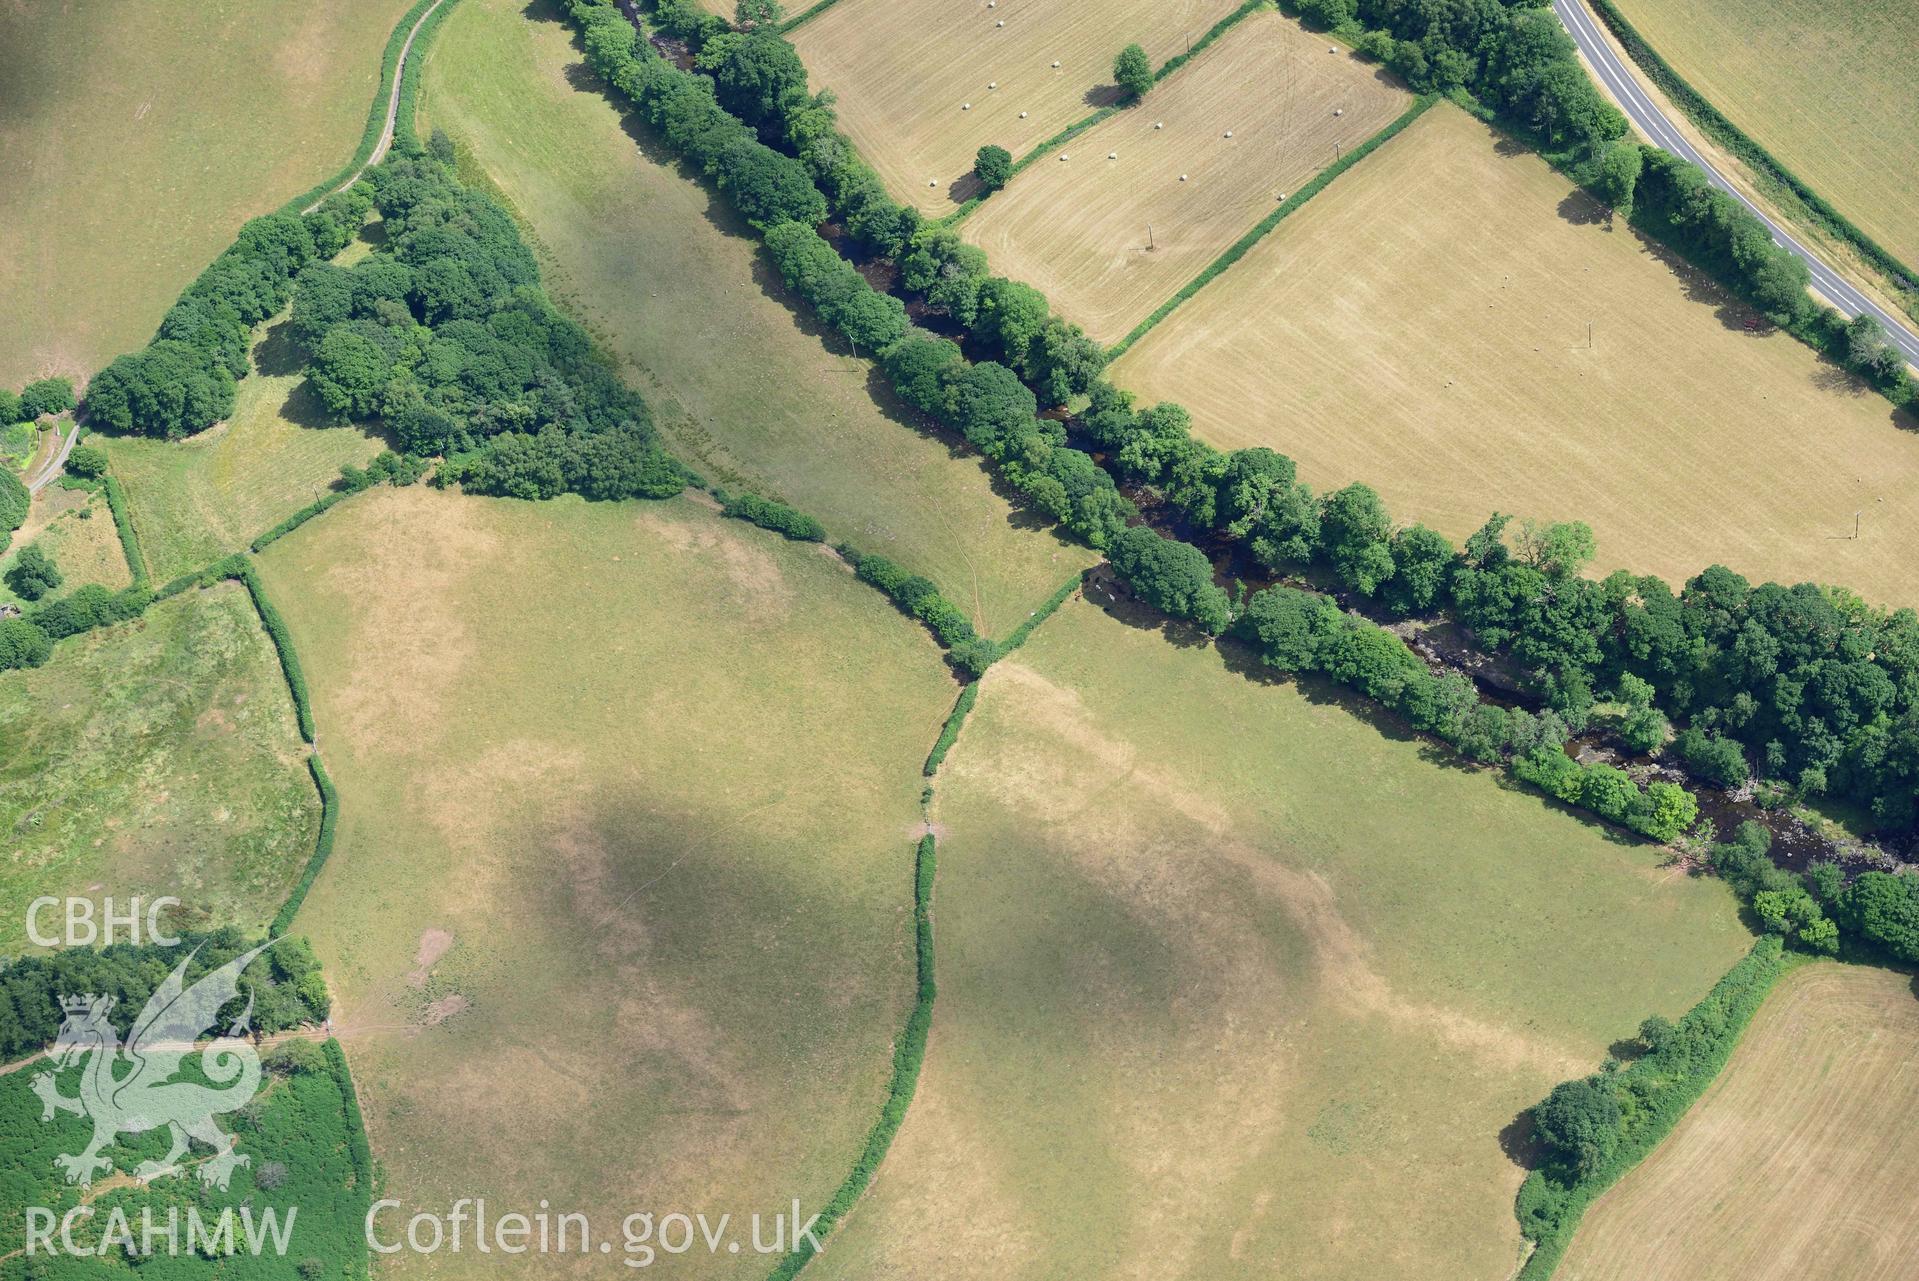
904	69
1235	984
156	757
1799	1162
136	139
194	501
620	909
1448	367
745	389
1827	88
1077	229
75	528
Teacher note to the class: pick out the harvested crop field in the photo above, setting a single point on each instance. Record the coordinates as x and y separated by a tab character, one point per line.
1449	367
137	138
905	70
156	757
1799	1162
620	910
1235	983
1109	240
744	387
1827	88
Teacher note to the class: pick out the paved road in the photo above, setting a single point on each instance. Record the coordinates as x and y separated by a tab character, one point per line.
1640	108
57	462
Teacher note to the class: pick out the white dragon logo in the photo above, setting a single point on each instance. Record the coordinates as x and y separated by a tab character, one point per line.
132	1089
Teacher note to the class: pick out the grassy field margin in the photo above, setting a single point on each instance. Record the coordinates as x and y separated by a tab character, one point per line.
1244	244
1775	178
1733	1001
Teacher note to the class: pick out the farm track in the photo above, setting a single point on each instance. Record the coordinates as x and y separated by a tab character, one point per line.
1652	119
392	108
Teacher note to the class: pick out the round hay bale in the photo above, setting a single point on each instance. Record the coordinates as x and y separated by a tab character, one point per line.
1112	155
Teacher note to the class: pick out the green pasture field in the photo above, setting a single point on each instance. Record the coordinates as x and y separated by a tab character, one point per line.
1237	983
619	914
745	389
156	757
1827	88
136	140
195	500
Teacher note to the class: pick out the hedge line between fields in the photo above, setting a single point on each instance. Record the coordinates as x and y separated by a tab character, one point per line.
1769	168
376	115
282	640
909	1053
949	732
820	275
1723	1015
1040	615
1078	127
359	1149
322	846
807	15
123	526
403	116
1244	244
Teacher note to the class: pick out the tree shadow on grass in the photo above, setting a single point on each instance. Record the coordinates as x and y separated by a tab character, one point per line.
277	354
964	188
302	407
1581	210
1100	97
1519	1140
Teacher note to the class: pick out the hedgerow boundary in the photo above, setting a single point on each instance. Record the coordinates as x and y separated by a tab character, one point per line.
123	526
1239	248
909	1052
1078	127
376	114
1549	1213
819	273
1775	179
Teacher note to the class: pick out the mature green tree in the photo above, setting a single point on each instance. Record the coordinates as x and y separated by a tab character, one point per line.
1885	910
9	408
1353	532
1616	175
33	573
757	75
350	372
993	166
87	461
1558	548
1289	628
1423	563
1133	71
749	14
23	644
47	396
1171	576
1579	1124
1012	314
